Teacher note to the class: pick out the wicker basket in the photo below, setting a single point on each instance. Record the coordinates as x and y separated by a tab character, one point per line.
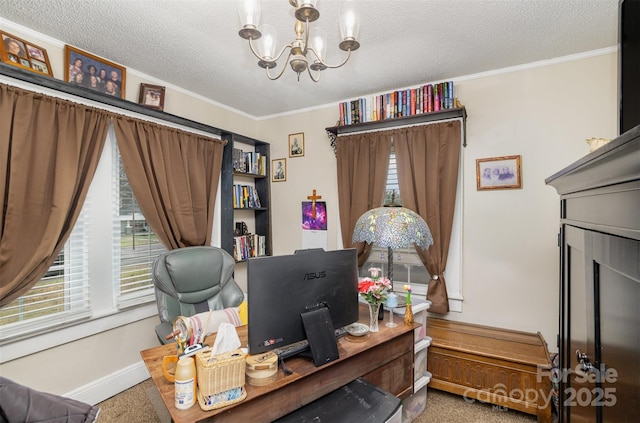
220	378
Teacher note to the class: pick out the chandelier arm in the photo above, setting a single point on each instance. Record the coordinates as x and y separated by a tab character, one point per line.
311	75
328	65
255	53
281	71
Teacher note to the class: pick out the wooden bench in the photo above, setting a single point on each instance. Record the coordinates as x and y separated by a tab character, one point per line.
503	367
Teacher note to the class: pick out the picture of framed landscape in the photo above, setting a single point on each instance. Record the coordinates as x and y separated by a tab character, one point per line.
23	54
498	173
86	70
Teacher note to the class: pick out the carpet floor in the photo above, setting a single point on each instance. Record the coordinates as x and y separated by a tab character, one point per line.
142	404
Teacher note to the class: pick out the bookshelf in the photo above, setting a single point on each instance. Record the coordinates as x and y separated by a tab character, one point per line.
458	112
245	195
410	106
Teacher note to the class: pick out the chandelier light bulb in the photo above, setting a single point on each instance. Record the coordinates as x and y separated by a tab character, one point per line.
349	29
249	13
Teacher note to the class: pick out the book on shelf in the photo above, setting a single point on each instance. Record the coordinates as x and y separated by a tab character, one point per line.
248	162
250	245
245	197
408	102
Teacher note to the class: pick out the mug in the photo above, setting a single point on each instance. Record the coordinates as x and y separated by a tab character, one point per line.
166	360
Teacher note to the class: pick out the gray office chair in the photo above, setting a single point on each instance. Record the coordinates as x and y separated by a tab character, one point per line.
193	280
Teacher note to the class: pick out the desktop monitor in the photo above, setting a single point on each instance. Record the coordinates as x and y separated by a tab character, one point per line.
281	288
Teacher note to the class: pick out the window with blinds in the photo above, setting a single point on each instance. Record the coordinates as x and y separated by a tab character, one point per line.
62	295
102	268
407	266
135	246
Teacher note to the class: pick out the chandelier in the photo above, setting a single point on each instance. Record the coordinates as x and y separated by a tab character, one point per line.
307	51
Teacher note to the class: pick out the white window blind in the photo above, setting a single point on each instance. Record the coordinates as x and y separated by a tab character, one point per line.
62	295
135	246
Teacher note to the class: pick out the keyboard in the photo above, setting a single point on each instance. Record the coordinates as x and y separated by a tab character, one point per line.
301	346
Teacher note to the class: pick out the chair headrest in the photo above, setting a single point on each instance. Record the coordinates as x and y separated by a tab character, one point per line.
193	274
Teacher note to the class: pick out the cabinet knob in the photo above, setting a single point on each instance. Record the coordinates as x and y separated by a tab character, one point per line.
584	361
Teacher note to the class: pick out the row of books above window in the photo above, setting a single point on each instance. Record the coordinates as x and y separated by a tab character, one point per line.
247	246
245	197
249	162
412	101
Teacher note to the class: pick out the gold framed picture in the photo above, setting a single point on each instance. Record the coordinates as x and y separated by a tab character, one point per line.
296	145
278	170
86	70
499	173
25	55
152	96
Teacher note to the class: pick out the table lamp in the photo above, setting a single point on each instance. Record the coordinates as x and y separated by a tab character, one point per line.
392	227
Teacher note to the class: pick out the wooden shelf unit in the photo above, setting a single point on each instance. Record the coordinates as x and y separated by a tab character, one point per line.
229	177
459	112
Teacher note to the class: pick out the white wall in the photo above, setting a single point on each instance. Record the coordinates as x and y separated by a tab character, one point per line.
543	112
510	256
510	253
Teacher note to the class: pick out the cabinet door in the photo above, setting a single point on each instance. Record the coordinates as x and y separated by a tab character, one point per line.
577	328
614	266
600	318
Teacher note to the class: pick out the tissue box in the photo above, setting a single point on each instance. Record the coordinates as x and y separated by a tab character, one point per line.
220	378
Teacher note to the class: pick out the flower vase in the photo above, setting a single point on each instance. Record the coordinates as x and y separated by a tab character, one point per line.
408	315
373	316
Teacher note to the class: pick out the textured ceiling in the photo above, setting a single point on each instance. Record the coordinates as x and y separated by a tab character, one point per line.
194	44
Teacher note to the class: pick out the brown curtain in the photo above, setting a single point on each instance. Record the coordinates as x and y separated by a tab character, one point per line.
174	175
362	161
428	158
49	151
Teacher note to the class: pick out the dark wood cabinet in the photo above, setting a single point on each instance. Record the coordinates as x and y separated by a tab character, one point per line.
599	324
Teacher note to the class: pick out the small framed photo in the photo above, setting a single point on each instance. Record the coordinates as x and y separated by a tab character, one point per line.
86	70
498	173
278	170
152	96
296	145
25	55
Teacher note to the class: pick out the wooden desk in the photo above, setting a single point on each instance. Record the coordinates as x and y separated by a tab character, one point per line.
384	359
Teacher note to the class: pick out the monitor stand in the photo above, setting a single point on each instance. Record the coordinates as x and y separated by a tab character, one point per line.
321	336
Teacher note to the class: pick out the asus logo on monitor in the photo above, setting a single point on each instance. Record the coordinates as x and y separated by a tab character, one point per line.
315	275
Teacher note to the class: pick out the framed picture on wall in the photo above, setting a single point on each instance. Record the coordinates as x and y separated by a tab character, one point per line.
23	54
278	170
89	71
152	96
296	145
498	173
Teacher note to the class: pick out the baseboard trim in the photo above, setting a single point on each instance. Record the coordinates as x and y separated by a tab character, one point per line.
110	385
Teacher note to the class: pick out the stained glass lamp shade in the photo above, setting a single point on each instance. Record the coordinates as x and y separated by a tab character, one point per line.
392	227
